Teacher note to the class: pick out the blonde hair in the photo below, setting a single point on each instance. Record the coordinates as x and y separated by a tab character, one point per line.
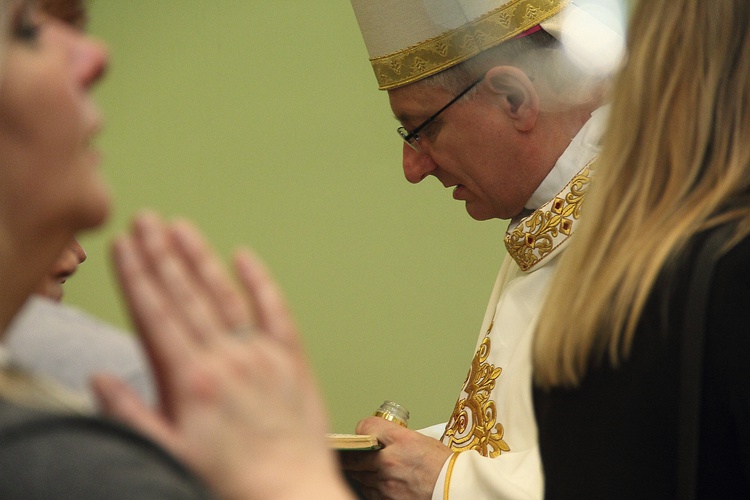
675	154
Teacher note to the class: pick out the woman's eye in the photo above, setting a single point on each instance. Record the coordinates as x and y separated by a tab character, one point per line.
26	25
27	31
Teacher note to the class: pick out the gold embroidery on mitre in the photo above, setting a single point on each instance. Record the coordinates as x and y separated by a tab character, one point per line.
539	234
455	46
473	425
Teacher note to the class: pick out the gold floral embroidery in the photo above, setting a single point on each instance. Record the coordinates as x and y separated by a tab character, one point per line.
473	425
537	235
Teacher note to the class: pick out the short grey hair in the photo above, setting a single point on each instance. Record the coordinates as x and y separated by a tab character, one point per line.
541	56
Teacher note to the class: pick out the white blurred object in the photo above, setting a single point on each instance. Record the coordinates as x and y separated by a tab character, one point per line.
593	34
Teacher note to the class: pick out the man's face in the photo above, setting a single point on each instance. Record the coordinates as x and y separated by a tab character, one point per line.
472	147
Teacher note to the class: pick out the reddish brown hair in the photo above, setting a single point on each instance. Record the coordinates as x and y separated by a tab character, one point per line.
73	12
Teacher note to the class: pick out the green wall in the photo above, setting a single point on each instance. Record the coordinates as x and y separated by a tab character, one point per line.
261	120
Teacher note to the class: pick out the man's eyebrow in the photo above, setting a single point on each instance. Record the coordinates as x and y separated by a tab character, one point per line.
405	118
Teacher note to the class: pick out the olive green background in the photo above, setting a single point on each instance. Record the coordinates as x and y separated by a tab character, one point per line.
262	122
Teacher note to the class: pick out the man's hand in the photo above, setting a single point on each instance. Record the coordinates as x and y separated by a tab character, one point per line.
406	468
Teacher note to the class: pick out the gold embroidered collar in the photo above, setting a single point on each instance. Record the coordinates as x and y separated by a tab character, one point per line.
538	235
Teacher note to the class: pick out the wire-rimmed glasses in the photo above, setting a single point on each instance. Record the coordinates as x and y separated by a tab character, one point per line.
412	138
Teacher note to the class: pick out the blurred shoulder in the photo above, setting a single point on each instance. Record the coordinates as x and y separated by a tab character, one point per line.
55	455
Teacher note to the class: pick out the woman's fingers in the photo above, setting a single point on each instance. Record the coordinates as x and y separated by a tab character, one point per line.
235	393
270	307
211	276
117	400
167	269
167	342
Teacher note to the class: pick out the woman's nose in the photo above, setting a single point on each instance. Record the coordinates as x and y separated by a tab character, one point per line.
91	59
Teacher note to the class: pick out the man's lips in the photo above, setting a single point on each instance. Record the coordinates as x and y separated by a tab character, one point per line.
459	192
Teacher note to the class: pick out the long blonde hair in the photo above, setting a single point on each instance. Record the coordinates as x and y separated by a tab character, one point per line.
677	150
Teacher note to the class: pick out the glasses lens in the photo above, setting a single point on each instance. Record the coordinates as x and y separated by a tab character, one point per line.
408	138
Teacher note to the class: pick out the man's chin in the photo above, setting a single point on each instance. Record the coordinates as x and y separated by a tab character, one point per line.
477	214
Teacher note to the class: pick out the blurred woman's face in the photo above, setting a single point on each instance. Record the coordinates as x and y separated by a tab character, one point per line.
49	169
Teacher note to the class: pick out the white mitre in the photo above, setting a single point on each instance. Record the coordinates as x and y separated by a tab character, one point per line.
409	40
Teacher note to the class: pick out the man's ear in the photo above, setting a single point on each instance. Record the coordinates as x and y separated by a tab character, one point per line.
518	96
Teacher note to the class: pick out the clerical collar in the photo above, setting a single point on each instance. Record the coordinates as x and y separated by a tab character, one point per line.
584	147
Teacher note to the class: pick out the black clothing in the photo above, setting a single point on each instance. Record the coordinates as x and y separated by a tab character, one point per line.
60	456
615	436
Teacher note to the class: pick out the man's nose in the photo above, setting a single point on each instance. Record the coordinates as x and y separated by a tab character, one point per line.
417	164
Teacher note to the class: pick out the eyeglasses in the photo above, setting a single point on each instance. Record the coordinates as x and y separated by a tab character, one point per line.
412	138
